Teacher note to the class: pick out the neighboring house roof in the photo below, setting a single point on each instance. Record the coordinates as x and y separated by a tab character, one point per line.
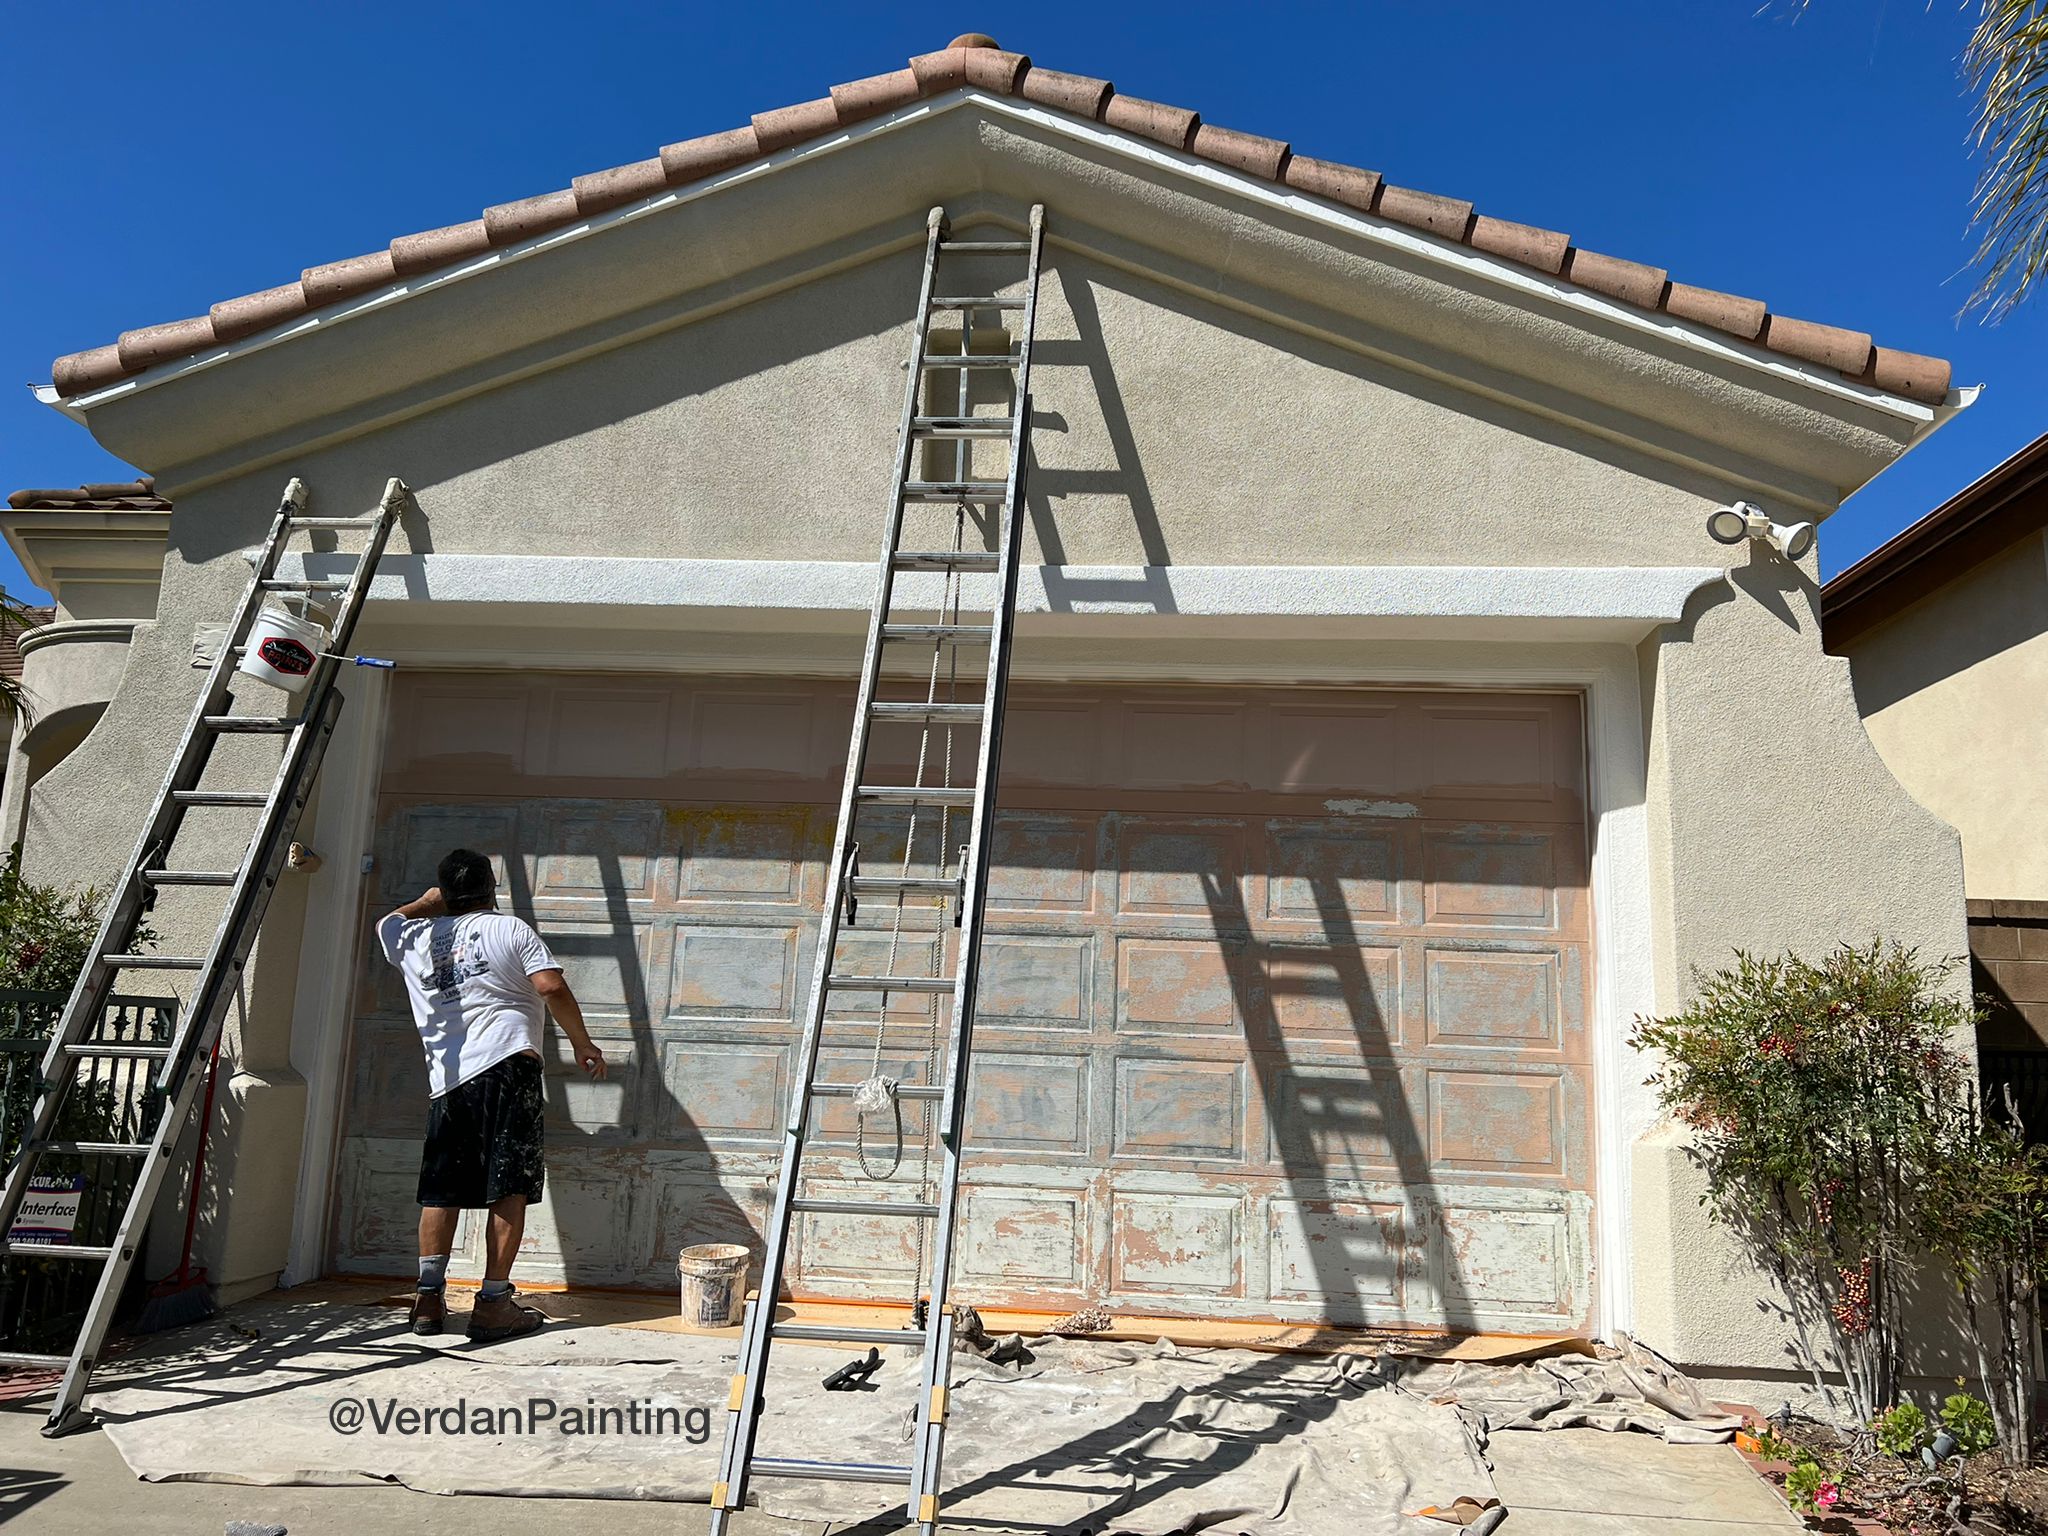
975	61
123	496
1989	515
10	652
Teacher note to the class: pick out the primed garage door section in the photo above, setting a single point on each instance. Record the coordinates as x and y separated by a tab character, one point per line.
1284	1011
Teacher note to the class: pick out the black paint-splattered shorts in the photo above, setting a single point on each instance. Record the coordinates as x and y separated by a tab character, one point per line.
484	1138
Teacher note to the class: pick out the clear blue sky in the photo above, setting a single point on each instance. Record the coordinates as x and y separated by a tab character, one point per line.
161	157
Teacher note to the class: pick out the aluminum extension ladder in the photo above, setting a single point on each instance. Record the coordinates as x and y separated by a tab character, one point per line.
76	1049
963	883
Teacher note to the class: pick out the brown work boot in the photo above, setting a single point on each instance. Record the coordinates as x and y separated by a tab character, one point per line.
503	1317
429	1311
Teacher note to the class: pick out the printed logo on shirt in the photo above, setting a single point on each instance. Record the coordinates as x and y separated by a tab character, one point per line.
453	963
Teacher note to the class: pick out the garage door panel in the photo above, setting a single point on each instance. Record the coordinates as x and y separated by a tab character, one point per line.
736	855
1029	1101
734	971
1170	1110
1334	1123
1332	995
1336	875
1284	1010
1044	863
1192	870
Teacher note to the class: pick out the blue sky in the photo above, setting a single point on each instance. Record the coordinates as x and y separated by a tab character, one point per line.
160	158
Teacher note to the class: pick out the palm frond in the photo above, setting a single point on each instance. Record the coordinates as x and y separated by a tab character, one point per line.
2006	64
15	617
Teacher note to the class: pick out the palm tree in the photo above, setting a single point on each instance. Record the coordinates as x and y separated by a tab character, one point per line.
15	616
2007	65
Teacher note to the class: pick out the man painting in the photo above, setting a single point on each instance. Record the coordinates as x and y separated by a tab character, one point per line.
482	985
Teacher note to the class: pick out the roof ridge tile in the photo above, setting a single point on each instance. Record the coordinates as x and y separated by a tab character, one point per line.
973	60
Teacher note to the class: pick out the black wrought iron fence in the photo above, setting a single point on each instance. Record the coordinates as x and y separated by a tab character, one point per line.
80	1196
2022	1075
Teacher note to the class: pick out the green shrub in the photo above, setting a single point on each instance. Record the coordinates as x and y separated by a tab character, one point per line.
1901	1431
1969	1420
46	933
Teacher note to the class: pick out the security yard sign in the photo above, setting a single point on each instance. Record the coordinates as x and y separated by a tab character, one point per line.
49	1210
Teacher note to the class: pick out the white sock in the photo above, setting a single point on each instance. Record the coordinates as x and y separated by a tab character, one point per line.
433	1271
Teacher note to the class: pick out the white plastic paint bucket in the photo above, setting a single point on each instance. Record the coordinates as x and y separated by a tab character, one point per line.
283	648
714	1282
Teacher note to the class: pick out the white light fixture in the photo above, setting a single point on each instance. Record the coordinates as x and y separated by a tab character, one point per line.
1747	520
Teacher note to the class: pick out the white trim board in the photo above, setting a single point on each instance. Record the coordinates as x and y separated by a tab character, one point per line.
1645	595
1606	675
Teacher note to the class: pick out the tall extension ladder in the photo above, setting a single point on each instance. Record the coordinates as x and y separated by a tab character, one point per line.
76	1051
965	884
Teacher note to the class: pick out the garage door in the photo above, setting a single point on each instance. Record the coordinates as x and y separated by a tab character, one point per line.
1285	1011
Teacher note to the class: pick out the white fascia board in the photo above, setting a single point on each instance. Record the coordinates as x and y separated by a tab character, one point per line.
1645	594
1521	282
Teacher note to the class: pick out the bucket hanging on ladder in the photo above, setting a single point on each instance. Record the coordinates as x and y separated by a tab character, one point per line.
282	648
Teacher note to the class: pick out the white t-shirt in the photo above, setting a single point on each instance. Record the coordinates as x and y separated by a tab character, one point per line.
468	978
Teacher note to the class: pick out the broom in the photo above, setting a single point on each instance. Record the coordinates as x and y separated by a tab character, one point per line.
185	1296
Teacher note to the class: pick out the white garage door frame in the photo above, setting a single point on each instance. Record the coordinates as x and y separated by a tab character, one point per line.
1604	674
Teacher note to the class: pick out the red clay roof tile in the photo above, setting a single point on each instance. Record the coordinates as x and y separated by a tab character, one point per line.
859	100
1171	126
601	191
1629	281
973	59
1828	345
1723	311
1543	249
118	496
1241	151
1447	216
1345	184
1082	95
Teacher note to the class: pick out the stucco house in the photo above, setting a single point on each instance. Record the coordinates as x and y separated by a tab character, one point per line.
1387	733
1945	629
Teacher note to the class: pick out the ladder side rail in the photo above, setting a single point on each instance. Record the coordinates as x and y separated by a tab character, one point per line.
249	896
744	1422
295	785
126	904
953	1107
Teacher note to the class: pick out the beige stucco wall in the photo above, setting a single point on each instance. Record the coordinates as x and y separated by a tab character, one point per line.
1245	425
1774	826
1951	689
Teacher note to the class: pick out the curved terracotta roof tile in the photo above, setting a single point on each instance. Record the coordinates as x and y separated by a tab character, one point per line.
118	496
974	60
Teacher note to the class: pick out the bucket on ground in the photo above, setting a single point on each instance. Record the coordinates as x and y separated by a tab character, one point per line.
714	1282
282	648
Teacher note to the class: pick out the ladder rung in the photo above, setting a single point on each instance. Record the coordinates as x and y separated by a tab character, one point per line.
903	1090
984	245
234	725
827	1471
920	1209
120	1048
155	962
896	709
95	1148
911	794
961	426
848	1333
335	522
58	1251
10	1358
188	876
850	983
946	560
964	634
955	490
220	797
978	301
889	885
974	360
280	584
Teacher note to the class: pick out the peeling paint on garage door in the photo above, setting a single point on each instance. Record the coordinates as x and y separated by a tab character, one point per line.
1285	1014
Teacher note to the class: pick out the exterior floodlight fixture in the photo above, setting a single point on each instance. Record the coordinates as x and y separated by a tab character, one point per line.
1747	520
